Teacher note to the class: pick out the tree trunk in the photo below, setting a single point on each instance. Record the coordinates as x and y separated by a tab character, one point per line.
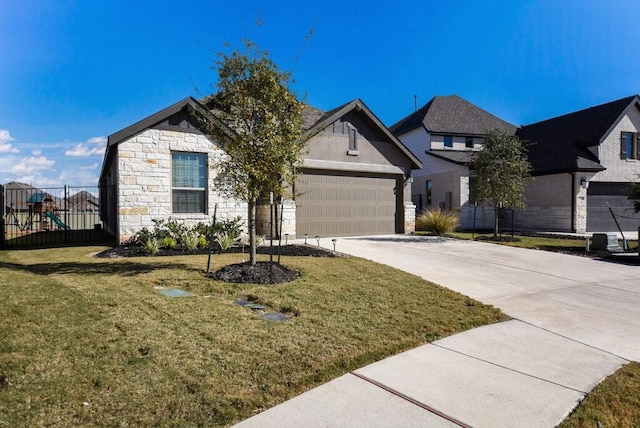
251	219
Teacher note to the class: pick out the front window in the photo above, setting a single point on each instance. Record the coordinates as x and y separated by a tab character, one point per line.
448	141
468	142
188	182
429	190
629	145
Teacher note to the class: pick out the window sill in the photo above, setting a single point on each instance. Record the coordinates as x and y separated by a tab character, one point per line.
353	153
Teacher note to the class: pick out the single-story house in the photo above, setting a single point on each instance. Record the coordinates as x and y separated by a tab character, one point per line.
444	134
582	164
354	177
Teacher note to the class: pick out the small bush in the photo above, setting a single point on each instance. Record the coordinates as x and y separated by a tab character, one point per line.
169	242
152	246
437	221
190	241
203	242
225	240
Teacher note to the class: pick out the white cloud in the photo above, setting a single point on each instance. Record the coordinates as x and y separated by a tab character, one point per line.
5	146
30	165
90	167
85	149
97	140
36	152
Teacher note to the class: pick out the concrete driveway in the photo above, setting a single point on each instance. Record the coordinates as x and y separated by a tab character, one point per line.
575	321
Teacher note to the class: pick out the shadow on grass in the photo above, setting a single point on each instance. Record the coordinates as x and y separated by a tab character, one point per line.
123	268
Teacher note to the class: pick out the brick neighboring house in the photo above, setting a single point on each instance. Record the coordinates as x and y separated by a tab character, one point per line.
444	134
581	162
354	177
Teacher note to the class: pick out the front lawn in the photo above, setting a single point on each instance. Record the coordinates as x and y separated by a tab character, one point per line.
559	243
615	402
91	342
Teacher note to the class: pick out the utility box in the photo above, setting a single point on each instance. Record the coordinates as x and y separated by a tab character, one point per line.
605	241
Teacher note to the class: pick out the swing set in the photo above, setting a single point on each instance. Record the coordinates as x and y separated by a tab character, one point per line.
41	211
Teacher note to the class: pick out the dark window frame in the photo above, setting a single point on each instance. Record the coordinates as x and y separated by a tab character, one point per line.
429	192
629	148
468	142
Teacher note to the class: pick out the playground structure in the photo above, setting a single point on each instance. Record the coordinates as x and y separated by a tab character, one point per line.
41	208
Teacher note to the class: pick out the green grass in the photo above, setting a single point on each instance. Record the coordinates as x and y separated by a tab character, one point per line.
533	242
613	403
537	242
90	342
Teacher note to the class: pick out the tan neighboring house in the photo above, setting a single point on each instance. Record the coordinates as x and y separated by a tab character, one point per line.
444	134
355	177
582	164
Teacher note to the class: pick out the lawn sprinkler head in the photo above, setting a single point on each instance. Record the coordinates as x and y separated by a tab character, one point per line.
334	240
318	240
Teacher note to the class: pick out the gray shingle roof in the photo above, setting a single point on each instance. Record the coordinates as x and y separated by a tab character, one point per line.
452	115
560	144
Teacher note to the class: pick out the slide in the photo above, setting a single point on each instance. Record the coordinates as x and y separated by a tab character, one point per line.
57	221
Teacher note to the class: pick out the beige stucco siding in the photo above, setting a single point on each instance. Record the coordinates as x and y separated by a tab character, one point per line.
373	148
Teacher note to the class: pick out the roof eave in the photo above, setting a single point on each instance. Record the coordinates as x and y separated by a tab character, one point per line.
444	158
117	137
566	171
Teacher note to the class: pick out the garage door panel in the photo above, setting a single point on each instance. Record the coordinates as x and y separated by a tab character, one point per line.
342	205
599	218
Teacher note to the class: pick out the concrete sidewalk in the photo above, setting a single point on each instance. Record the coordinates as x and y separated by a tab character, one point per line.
576	321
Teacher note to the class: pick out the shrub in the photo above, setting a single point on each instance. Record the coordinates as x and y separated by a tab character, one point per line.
232	227
437	221
190	241
203	242
152	246
169	242
225	240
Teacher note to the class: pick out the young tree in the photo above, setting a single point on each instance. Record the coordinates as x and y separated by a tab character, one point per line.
501	172
633	193
256	119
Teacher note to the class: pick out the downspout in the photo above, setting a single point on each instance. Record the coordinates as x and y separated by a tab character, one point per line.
573	202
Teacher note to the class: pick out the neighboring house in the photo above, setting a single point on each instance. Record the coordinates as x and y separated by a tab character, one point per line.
582	162
354	177
444	134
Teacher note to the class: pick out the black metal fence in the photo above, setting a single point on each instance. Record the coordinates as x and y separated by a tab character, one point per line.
49	217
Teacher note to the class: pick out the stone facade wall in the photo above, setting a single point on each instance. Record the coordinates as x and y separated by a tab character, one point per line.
548	201
409	217
483	214
617	169
144	181
288	217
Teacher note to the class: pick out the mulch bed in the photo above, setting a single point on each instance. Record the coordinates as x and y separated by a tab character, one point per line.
285	250
261	273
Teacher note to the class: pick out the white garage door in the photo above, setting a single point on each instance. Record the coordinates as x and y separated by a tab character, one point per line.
334	204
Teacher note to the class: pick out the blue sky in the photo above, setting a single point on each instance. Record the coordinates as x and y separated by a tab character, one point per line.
73	72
